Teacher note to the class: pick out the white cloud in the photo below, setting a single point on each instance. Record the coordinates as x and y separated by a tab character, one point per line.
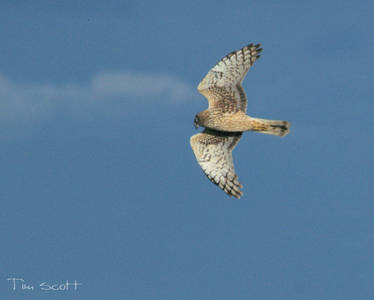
26	102
140	84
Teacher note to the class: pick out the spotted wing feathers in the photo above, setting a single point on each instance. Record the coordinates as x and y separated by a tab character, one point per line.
222	85
213	151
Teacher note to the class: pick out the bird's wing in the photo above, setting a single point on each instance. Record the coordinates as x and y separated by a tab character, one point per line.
222	85
213	151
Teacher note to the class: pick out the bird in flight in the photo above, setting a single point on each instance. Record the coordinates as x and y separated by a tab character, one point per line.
225	120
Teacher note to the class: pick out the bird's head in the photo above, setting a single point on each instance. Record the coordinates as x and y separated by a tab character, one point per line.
196	121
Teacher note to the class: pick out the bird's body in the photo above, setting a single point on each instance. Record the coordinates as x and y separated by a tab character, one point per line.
226	118
240	122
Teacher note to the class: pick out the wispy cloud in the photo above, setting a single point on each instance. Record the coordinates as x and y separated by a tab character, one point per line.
141	85
26	102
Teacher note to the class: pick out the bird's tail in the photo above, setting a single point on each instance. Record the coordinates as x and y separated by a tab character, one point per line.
274	127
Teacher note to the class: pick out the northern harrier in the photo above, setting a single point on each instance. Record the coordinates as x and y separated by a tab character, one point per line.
225	119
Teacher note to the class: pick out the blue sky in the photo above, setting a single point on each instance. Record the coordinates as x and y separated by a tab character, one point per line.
98	181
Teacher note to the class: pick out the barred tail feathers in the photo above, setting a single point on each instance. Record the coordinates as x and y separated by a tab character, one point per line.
274	127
